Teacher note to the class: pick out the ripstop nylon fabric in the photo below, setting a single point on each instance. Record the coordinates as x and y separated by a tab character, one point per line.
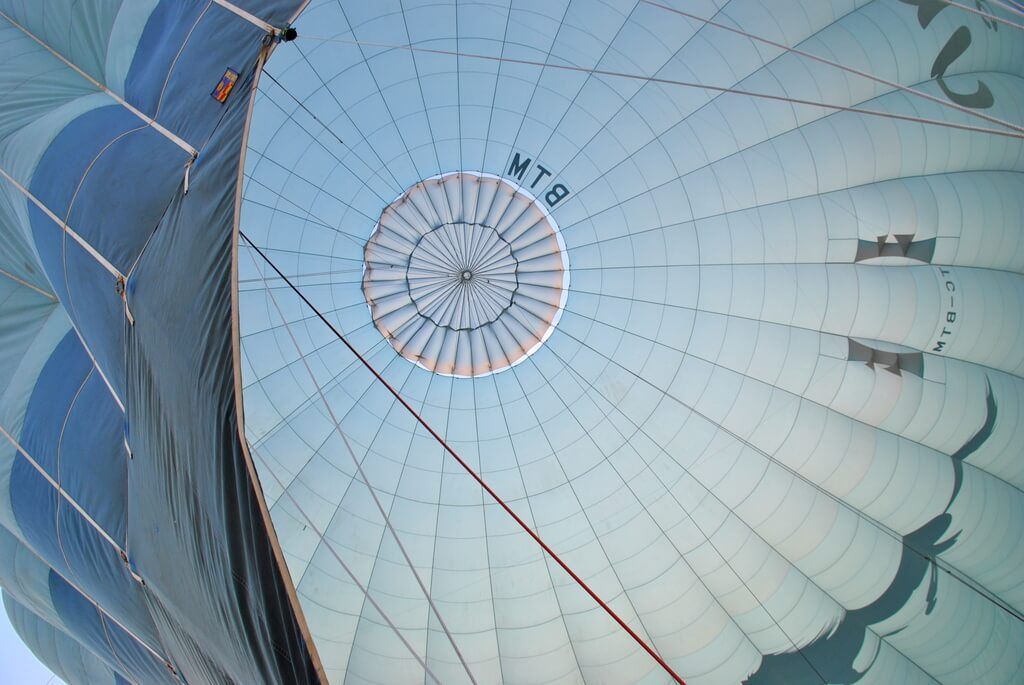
134	545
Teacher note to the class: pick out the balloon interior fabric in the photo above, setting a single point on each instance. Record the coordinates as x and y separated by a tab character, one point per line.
516	341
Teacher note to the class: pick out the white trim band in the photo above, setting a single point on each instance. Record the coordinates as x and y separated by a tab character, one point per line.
251	18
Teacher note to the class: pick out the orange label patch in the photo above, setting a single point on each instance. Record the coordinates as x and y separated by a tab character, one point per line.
225	86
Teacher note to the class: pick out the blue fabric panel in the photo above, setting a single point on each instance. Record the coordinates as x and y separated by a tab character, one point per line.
71	413
49	240
59	172
94	467
73	430
166	30
62	538
216	41
211	566
56	388
121	200
215	595
111	208
35	509
103	637
97	312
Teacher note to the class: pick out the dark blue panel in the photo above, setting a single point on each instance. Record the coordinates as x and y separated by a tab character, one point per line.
194	522
97	311
111	178
121	199
65	541
197	533
115	174
94	463
217	40
161	40
49	240
34	502
73	430
68	156
58	384
103	637
88	293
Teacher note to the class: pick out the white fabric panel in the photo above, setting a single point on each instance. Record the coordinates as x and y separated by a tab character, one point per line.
742	432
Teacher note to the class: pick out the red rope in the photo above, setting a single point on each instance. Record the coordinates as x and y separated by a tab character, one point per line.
487	488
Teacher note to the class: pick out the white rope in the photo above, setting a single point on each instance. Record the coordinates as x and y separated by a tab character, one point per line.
191	151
